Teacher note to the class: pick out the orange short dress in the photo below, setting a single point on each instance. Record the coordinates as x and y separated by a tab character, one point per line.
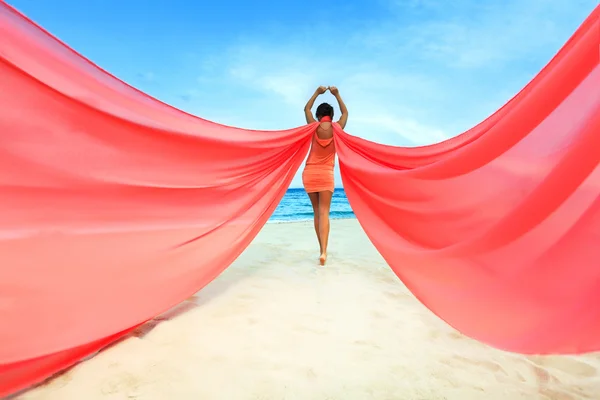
318	171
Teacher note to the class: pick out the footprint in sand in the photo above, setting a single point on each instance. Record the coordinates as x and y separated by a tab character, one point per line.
566	365
123	382
488	365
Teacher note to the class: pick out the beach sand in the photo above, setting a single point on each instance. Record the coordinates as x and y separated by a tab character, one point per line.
277	326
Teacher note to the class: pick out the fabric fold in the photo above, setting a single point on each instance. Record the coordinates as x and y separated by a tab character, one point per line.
114	207
494	230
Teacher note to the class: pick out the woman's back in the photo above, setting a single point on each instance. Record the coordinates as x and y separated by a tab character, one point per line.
322	151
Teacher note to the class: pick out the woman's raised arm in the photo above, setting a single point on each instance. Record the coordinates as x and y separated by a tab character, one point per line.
311	102
344	117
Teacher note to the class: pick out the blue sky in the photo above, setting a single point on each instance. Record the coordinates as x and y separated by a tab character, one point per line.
412	72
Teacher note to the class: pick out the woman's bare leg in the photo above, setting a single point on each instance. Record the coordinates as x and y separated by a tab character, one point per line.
314	200
324	206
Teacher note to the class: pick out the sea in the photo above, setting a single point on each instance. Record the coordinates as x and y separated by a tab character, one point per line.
295	206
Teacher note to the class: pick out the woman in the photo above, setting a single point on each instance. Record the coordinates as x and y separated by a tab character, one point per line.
317	176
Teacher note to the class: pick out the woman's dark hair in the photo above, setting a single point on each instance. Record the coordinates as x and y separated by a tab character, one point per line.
324	110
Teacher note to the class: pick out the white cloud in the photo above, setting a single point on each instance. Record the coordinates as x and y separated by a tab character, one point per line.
411	130
428	71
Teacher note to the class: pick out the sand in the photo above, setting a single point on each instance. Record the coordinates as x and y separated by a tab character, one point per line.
277	326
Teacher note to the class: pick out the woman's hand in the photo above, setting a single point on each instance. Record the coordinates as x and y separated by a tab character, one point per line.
344	118
307	108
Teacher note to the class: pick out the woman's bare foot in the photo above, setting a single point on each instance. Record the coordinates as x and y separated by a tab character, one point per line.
323	258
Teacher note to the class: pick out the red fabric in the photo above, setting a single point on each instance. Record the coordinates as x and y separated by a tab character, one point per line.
115	207
497	230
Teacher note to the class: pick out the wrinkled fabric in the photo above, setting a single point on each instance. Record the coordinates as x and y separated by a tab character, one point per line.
497	230
114	207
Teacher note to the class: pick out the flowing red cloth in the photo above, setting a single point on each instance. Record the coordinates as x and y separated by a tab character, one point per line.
115	207
497	230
